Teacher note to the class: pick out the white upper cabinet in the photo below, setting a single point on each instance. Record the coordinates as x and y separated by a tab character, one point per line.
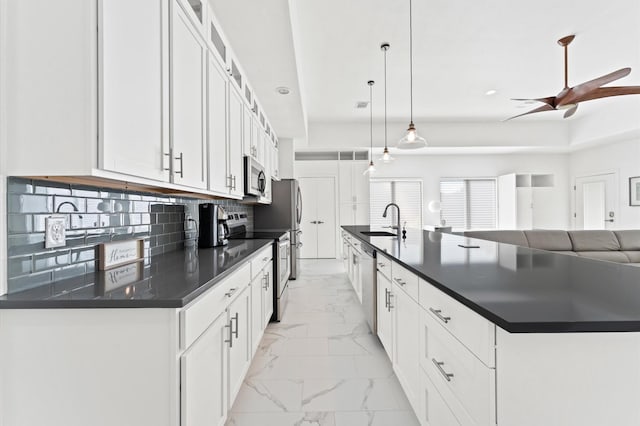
235	143
219	177
188	71
133	121
125	95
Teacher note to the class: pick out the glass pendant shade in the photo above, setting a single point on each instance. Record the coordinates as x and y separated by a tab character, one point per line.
411	139
386	156
371	169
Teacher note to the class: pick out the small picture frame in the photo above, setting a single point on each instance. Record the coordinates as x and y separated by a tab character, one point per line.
634	191
114	254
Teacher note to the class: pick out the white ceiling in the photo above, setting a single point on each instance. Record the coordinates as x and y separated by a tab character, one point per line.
327	49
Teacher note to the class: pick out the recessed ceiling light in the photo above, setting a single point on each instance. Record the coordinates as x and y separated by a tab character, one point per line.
283	90
490	92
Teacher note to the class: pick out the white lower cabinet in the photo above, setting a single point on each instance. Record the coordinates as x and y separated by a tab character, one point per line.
203	375
385	316
433	410
256	312
240	341
405	344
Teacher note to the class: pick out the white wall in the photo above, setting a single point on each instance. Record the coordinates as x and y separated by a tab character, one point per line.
431	168
286	156
620	157
3	157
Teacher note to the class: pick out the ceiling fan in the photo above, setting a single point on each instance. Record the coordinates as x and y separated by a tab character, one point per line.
569	97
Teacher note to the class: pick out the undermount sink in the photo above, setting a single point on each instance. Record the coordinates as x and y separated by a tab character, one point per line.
378	234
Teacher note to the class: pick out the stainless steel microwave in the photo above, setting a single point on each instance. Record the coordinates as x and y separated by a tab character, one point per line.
255	180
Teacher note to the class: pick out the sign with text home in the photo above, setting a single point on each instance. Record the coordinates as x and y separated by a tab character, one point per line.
120	253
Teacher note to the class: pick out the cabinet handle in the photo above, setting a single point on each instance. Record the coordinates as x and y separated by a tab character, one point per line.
442	371
230	341
382	265
320	222
230	292
264	259
266	282
389	306
229	182
399	281
181	166
235	333
386	297
234	182
438	313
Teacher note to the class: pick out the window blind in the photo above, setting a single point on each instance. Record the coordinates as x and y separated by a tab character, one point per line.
406	194
469	203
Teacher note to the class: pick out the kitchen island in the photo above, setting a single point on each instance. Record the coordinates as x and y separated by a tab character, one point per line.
488	333
166	343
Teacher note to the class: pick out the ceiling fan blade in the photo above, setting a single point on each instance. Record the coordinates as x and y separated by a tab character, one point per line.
548	100
568	113
542	108
605	92
577	92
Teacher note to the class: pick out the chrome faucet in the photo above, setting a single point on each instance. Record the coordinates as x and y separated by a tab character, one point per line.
385	215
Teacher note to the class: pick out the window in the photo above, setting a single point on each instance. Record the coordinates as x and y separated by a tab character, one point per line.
405	193
468	203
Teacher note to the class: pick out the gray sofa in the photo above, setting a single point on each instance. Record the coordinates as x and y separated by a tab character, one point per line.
612	246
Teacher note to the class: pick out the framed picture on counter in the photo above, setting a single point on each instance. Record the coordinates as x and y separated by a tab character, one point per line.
634	191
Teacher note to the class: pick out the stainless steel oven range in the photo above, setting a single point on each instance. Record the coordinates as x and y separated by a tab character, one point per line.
281	255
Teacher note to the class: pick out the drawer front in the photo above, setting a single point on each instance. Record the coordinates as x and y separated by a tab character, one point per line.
384	266
462	379
434	411
406	280
474	331
260	260
196	317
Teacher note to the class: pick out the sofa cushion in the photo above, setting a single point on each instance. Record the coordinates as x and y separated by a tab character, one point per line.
629	240
633	256
611	256
599	240
549	240
508	237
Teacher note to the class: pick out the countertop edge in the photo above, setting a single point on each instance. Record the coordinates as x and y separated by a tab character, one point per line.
167	303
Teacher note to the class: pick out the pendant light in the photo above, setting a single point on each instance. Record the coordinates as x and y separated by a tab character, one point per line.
386	156
371	167
411	139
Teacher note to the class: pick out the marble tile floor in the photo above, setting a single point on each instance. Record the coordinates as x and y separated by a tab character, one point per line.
321	365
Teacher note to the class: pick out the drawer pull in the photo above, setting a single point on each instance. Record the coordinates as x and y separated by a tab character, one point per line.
399	281
386	298
438	313
235	333
382	265
230	292
266	282
439	365
230	341
389	306
264	259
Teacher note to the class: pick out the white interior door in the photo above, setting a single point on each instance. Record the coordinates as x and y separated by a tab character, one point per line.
309	236
596	201
318	218
326	217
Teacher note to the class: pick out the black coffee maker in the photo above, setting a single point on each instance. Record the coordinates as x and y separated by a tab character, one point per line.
213	226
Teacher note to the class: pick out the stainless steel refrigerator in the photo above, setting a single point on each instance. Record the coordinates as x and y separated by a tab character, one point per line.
284	212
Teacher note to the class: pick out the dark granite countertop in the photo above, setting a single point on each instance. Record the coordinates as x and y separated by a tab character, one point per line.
166	281
521	290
